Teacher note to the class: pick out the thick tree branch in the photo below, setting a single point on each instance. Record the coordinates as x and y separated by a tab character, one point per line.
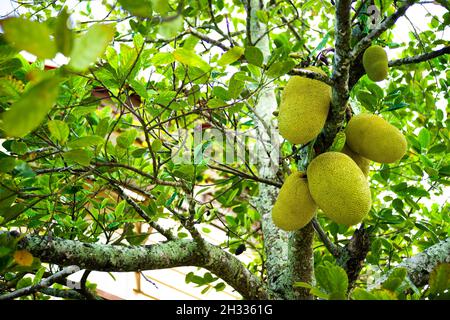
311	75
420	266
354	254
176	253
42	284
340	76
301	261
365	42
420	58
65	294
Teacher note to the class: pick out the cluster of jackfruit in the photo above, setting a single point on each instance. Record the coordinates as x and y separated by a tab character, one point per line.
336	182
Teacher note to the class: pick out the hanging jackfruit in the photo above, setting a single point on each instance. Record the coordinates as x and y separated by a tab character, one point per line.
294	207
339	188
304	108
374	138
375	62
363	163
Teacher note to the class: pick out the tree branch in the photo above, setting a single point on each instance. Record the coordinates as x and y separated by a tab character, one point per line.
311	75
42	284
420	58
420	266
176	253
335	250
365	42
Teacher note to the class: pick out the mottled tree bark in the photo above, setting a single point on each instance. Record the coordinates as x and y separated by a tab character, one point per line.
420	266
176	253
275	240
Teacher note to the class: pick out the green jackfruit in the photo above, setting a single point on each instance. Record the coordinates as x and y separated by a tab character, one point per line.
304	108
375	139
363	163
375	62
339	188
294	207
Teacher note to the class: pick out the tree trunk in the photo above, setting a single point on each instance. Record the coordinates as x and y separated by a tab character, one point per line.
288	256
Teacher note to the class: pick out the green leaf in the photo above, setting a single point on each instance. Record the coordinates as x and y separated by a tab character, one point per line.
63	35
79	156
38	276
190	58
139	8
126	139
440	278
395	279
361	294
30	36
220	286
368	100
120	207
424	137
438	148
26	114
162	58
11	213
7	198
90	46
59	130
230	56
156	145
19	147
280	68
87	141
332	279
102	127
254	56
7	164
339	142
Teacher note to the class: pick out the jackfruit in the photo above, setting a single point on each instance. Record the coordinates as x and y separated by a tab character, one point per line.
294	207
339	188
374	138
304	108
363	163
375	62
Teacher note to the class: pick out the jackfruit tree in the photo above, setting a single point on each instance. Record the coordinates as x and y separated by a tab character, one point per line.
281	149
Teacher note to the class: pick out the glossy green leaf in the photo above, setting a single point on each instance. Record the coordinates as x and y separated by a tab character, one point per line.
280	68
87	141
79	156
59	130
254	56
63	35
440	278
230	56
90	46
333	280
27	113
190	58
424	137
162	58
31	36
140	8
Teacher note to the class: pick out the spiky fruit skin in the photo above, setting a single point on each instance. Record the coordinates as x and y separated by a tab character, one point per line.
339	188
375	62
294	207
375	139
304	108
363	163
